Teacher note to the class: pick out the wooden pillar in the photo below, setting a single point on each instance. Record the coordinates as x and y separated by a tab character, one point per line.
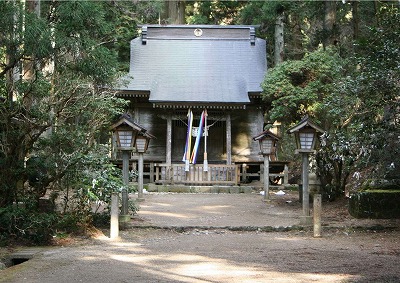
168	153
136	114
266	177
152	178
169	141
305	219
125	177
228	139
260	122
244	172
157	173
134	168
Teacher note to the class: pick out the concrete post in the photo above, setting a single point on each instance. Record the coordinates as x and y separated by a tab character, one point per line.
140	178
266	177
114	224
317	214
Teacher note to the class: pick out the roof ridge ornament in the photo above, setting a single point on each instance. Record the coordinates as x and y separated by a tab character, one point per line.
144	35
198	32
252	36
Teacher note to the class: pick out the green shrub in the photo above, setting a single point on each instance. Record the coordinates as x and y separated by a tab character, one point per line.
20	223
69	223
101	220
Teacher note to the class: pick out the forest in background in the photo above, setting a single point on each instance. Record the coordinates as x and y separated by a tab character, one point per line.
335	61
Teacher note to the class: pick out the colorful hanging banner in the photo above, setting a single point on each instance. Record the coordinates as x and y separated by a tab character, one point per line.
186	154
198	138
205	162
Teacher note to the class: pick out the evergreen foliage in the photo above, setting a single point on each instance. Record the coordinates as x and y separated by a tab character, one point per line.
354	97
56	72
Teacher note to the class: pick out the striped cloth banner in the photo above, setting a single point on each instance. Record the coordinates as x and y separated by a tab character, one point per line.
186	154
205	162
197	142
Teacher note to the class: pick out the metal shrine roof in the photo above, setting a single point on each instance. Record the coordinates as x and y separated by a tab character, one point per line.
196	65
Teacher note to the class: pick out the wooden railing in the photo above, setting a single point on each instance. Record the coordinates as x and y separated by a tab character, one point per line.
278	169
217	174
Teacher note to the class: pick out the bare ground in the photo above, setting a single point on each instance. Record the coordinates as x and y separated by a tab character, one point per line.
189	238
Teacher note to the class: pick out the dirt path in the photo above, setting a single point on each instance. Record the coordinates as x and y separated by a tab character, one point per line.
218	256
344	254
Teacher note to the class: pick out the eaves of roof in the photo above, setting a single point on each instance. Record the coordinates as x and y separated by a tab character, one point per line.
196	72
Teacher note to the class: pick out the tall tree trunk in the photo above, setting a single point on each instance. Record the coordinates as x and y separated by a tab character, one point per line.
28	64
33	6
377	17
356	19
297	51
174	12
329	23
279	40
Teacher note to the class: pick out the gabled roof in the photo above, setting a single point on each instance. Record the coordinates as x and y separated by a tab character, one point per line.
196	64
126	119
305	123
264	134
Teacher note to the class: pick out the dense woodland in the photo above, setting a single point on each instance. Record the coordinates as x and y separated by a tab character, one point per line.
336	61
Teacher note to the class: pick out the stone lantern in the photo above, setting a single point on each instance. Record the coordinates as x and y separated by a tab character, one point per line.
306	135
267	142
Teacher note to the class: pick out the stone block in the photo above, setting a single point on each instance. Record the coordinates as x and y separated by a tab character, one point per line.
246	189
152	187
224	190
234	190
214	190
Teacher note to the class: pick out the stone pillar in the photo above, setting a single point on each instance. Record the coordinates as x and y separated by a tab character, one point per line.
114	224
317	214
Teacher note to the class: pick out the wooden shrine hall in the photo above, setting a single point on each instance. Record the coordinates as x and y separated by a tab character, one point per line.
197	89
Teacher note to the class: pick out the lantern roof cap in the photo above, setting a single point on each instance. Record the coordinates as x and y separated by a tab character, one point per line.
265	134
126	119
305	123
